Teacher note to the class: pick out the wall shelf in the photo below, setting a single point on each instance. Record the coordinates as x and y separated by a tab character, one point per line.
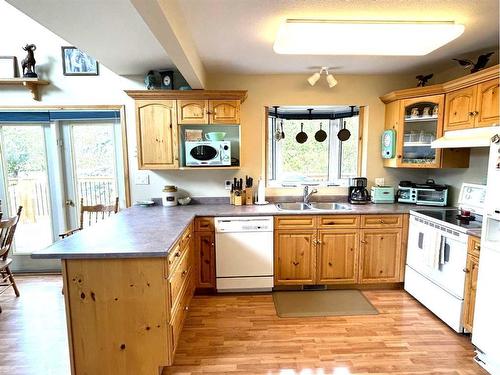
30	83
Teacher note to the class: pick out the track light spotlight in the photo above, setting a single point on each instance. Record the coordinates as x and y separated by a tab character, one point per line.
330	79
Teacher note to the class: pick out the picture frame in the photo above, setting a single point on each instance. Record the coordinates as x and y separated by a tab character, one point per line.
8	67
78	63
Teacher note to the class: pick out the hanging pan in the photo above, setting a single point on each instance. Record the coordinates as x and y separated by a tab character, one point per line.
320	135
344	134
301	137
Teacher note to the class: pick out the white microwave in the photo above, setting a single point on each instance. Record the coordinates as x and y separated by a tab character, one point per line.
205	153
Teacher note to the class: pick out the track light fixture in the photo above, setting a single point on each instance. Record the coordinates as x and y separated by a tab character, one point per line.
330	79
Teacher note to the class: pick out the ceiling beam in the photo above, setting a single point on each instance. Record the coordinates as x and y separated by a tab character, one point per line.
167	23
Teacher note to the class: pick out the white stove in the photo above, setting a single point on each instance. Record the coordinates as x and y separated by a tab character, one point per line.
437	254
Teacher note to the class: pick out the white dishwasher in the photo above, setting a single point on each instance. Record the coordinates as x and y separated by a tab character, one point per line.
244	253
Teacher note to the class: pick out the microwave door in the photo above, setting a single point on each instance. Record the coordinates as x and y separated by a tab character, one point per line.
203	153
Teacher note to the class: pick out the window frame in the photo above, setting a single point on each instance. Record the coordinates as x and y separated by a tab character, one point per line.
272	148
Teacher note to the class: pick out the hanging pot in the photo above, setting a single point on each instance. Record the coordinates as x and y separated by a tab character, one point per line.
277	133
344	134
320	135
301	137
282	132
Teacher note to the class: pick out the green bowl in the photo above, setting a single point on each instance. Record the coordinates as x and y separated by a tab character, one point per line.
215	136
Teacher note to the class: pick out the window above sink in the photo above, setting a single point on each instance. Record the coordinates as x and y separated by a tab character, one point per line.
322	159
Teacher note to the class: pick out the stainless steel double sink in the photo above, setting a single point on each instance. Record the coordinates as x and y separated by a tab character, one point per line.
323	206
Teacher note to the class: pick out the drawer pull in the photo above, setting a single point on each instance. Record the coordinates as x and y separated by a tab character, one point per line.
382	221
466	270
177	254
330	264
186	308
184	273
477	247
363	241
295	263
330	223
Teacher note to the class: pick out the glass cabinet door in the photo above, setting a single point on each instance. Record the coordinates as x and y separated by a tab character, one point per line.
422	123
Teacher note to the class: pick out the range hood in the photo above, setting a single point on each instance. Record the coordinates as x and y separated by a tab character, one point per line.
479	137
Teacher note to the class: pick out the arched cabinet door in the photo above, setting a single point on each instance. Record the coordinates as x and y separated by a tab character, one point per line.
460	106
224	111
157	134
487	103
191	112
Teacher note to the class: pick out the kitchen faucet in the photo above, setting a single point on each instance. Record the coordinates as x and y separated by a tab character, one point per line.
307	193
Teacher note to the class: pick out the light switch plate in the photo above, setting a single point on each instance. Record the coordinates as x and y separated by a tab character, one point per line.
142	179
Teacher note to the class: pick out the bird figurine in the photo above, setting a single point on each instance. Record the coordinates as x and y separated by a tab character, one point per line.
422	80
480	64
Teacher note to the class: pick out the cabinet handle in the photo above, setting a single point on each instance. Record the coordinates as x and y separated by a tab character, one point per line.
213	244
475	113
184	273
295	263
177	254
363	241
330	264
382	221
466	270
400	156
186	308
470	113
319	241
477	247
330	223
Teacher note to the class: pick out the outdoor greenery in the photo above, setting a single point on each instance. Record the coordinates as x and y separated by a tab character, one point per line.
24	150
94	150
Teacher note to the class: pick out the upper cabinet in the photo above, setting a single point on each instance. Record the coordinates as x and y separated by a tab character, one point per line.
420	115
156	134
161	113
473	107
192	112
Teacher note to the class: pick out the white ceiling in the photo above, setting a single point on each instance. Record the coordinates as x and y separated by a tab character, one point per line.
110	30
238	35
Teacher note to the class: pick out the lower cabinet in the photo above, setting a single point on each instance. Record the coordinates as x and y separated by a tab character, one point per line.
205	253
338	256
343	249
295	253
471	272
380	255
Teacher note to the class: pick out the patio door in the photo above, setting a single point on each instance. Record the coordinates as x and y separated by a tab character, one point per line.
91	159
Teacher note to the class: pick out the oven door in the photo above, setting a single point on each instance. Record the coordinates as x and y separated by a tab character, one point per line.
432	197
204	154
438	254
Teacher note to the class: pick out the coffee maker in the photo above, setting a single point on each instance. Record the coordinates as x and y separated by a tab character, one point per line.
357	191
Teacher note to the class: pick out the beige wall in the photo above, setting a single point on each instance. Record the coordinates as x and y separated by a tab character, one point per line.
267	90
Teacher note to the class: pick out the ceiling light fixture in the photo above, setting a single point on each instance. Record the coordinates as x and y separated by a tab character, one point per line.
390	38
330	79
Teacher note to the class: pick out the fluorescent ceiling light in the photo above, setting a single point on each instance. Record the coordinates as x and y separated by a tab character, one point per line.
391	38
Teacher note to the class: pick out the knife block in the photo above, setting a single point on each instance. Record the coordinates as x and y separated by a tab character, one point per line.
239	200
249	196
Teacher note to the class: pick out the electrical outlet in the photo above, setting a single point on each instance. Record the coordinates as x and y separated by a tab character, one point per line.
227	184
142	179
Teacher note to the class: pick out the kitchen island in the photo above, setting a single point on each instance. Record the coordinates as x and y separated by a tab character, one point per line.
128	281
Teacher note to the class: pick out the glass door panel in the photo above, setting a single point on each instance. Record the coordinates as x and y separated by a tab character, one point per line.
25	166
422	124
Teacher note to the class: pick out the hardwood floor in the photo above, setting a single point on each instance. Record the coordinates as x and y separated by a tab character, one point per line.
242	335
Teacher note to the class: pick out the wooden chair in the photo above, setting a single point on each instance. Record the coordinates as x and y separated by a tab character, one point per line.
7	230
94	213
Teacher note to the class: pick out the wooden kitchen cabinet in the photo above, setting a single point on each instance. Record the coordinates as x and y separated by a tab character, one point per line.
471	273
294	257
380	255
224	111
460	107
338	256
192	112
205	252
157	144
487	104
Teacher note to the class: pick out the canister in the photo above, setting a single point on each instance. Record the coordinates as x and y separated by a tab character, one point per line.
169	196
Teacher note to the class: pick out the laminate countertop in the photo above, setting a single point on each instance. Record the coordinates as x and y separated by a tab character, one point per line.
142	232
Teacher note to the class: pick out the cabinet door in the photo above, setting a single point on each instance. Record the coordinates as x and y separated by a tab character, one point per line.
294	257
421	123
224	111
192	112
380	255
487	105
205	259
157	146
393	122
338	256
460	106
470	291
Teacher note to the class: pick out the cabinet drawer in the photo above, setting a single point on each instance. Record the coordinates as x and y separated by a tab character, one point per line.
187	236
180	311
204	224
474	246
174	256
381	221
338	221
179	277
294	222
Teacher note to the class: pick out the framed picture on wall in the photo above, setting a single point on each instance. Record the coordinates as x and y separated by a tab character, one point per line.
8	67
78	63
